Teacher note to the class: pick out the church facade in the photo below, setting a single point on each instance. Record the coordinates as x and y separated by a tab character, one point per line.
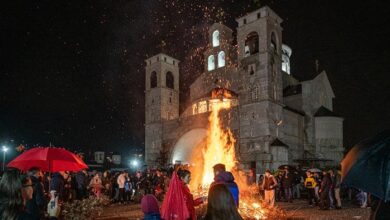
276	119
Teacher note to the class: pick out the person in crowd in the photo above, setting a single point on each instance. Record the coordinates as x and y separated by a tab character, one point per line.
185	177
261	189
332	199
269	185
121	186
221	204
310	185
114	187
159	185
139	186
167	179
251	178
337	186
15	191
279	188
227	178
81	189
96	185
36	205
287	181
46	181
106	182
364	199
179	201
318	180
297	182
57	183
324	191
128	188
67	193
149	206
73	188
148	186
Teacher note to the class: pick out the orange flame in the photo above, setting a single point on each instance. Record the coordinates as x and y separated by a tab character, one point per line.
219	148
220	143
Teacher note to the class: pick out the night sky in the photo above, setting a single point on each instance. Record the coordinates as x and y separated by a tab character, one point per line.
72	72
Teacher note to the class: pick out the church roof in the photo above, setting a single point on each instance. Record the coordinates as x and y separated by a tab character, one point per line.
292	90
278	143
324	112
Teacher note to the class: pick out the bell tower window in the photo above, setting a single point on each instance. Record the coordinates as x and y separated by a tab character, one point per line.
251	44
210	63
153	80
170	80
221	59
273	43
216	38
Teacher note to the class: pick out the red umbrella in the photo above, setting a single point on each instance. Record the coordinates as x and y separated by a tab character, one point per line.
49	159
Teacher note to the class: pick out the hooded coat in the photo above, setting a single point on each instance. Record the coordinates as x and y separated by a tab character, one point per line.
227	178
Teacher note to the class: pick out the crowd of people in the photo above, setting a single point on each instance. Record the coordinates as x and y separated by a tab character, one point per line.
321	189
39	195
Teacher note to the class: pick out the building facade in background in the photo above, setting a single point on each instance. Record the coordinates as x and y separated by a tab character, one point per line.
276	119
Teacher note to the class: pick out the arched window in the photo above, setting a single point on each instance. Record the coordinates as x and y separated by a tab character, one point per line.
170	81
251	44
221	59
153	80
216	38
210	63
273	43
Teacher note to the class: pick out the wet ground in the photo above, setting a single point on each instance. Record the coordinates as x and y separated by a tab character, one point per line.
298	210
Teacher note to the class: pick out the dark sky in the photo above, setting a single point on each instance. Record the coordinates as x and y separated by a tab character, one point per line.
72	72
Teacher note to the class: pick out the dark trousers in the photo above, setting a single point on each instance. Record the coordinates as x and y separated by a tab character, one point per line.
121	197
127	195
288	193
324	199
311	195
80	193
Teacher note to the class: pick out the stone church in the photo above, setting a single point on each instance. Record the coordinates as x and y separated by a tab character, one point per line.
276	119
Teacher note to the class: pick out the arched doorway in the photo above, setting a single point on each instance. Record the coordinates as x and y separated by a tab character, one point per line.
185	146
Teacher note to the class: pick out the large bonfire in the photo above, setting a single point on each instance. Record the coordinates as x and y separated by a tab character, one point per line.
219	147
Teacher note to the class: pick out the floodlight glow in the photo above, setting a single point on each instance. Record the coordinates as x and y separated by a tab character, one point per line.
134	163
4	149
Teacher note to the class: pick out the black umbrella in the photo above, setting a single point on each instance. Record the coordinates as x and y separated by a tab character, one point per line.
286	166
367	166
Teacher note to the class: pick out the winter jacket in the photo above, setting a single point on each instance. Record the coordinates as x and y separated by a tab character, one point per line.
269	183
326	183
121	181
81	180
310	183
227	178
287	180
57	183
36	205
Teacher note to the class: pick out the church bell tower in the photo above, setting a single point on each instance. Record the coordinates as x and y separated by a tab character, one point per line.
161	101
